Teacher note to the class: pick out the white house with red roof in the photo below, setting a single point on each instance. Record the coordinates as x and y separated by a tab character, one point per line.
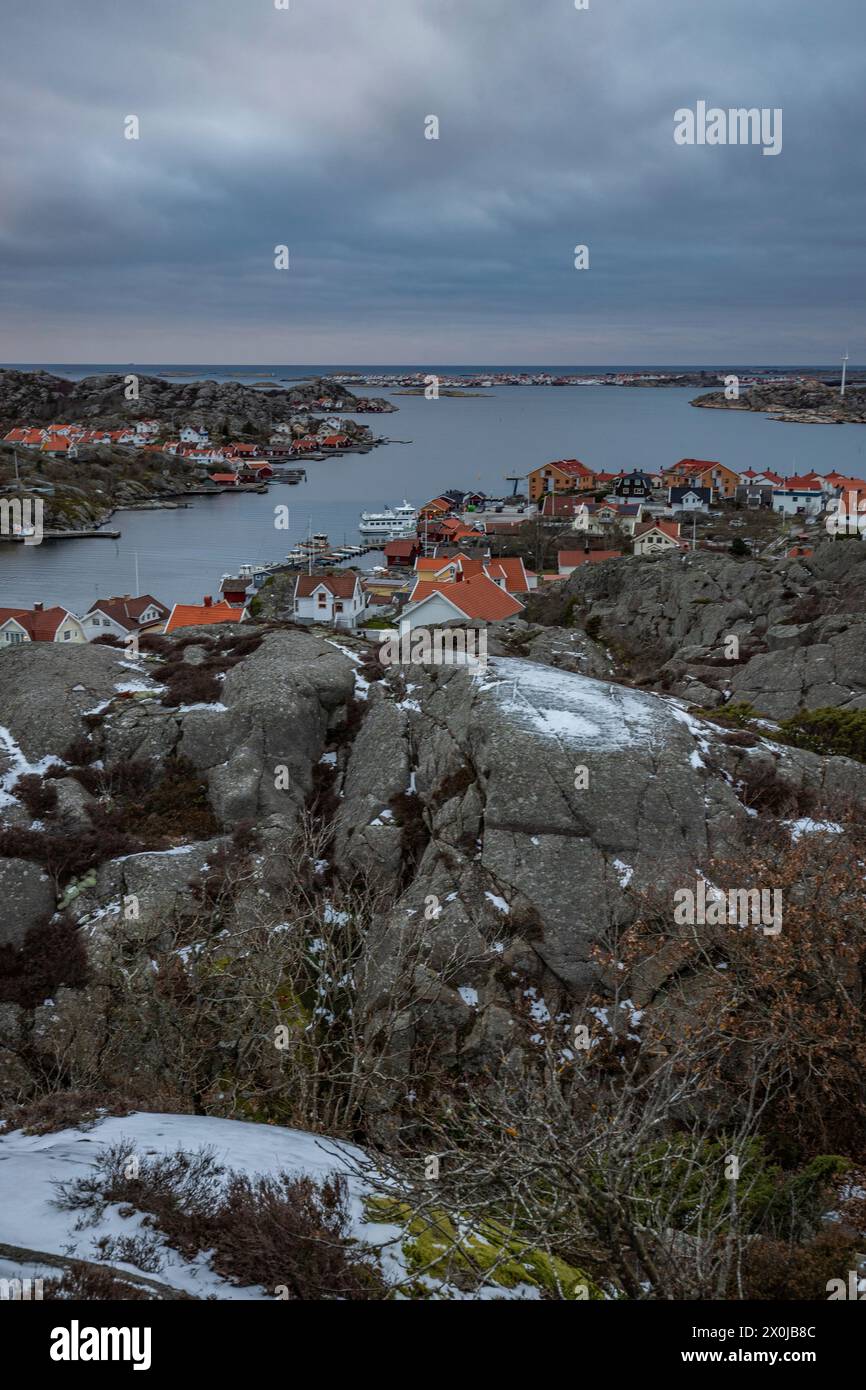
478	599
335	599
657	538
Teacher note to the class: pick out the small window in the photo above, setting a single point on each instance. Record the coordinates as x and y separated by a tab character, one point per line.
66	636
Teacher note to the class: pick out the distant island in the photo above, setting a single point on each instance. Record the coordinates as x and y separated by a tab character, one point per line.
808	401
220	406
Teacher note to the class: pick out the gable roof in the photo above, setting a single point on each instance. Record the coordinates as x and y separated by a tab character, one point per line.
848	484
431	564
573	467
614	505
698	465
40	623
681	490
476	597
202	615
554	504
340	585
127	611
510	568
404	547
809	482
573	558
668	528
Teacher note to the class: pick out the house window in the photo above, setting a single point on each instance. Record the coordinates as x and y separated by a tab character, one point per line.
323	599
66	636
338	607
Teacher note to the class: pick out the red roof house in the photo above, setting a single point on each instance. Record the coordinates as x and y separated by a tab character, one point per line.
203	614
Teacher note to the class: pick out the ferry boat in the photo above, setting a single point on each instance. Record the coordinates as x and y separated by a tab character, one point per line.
394	524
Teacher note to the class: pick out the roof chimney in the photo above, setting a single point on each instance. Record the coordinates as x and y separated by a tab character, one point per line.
208	601
38	607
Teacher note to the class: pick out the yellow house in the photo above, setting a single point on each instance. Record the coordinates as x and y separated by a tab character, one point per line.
39	624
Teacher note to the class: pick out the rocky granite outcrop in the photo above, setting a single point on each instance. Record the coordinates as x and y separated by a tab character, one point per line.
799	625
807	402
506	815
40	397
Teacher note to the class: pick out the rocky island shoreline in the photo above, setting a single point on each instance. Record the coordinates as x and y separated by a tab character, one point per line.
803	402
40	397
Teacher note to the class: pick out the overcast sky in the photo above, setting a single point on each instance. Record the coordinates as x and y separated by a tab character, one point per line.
261	127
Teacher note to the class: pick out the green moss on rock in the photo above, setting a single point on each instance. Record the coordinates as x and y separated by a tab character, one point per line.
433	1247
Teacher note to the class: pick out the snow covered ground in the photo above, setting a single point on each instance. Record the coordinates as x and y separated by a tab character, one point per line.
31	1165
573	708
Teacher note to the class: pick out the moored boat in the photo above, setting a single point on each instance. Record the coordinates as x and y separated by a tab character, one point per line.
393	524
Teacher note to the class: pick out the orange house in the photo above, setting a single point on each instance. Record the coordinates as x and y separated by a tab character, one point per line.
563	475
439	506
703	473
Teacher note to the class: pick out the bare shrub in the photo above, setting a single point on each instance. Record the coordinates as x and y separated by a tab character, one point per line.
38	796
50	955
289	1234
782	1271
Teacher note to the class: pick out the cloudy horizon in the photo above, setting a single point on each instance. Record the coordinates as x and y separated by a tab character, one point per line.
305	127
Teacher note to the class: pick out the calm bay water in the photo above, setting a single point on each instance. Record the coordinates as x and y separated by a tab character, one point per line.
464	442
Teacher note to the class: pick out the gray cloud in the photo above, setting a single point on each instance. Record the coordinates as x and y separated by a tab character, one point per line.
305	127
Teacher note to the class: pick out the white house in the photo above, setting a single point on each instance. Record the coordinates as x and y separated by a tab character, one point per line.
690	498
120	616
658	537
191	435
480	598
336	599
806	496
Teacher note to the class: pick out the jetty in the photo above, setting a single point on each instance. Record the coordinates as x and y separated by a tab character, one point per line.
66	536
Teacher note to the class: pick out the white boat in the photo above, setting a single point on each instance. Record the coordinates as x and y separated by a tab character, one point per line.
252	573
394	524
318	541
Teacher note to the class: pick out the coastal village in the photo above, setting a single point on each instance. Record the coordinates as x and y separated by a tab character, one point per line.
460	558
298	439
